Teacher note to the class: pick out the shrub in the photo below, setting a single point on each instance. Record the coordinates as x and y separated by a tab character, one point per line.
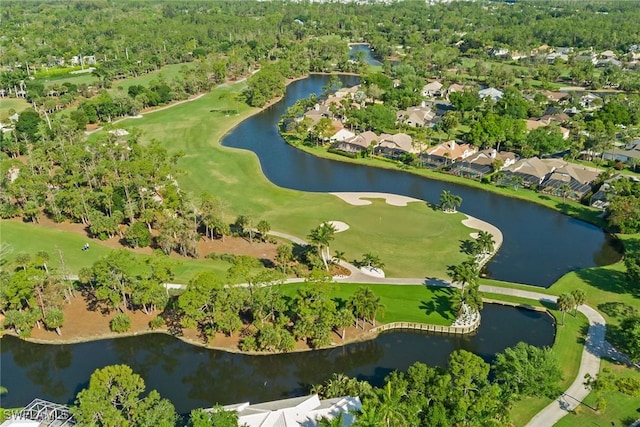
157	322
138	235
629	386
120	323
248	344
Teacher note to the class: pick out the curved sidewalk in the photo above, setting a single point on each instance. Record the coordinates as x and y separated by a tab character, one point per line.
594	347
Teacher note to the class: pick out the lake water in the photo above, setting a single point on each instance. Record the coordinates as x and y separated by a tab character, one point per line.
193	377
540	245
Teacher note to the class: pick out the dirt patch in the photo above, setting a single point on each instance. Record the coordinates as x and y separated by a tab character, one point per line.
82	324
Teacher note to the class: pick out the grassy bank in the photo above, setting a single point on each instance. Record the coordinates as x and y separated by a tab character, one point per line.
411	303
566	207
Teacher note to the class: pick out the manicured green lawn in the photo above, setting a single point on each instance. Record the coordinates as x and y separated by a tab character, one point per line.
411	303
413	241
6	104
168	72
621	409
31	238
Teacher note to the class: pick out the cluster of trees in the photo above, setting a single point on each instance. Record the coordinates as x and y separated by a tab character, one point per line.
269	319
113	184
467	392
117	281
33	295
623	212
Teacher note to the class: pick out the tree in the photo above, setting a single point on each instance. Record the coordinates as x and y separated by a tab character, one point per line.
632	265
629	337
449	202
113	399
54	319
321	236
263	228
372	261
579	297
284	255
485	242
137	235
28	124
245	225
527	370
216	418
565	303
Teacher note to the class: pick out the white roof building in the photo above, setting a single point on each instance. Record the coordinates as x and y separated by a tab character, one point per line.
296	412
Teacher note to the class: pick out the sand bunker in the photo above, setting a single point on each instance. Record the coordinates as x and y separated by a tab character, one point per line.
372	271
358	199
339	226
478	224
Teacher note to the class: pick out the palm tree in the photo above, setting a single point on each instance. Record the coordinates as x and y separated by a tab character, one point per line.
369	416
321	236
485	241
579	297
337	421
391	405
565	303
449	202
565	189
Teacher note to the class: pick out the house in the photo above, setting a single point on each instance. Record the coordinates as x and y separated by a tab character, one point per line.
532	124
531	171
571	181
554	56
600	198
587	58
394	146
357	143
491	93
432	89
500	52
554	96
341	135
456	88
416	116
629	154
447	152
317	112
609	62
482	163
608	54
590	101
295	412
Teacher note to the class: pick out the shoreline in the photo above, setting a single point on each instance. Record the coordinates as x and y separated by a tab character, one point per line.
442	177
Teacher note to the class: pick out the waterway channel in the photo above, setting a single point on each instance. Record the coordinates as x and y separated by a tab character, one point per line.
193	377
540	245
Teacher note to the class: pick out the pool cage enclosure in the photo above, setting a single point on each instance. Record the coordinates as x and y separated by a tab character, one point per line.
46	413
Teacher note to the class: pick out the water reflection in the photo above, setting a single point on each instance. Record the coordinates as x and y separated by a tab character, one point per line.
192	376
540	245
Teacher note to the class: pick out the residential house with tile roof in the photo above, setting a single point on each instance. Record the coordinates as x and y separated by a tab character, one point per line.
357	143
482	163
394	146
446	153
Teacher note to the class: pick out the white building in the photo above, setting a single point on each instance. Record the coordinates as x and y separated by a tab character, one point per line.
296	412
